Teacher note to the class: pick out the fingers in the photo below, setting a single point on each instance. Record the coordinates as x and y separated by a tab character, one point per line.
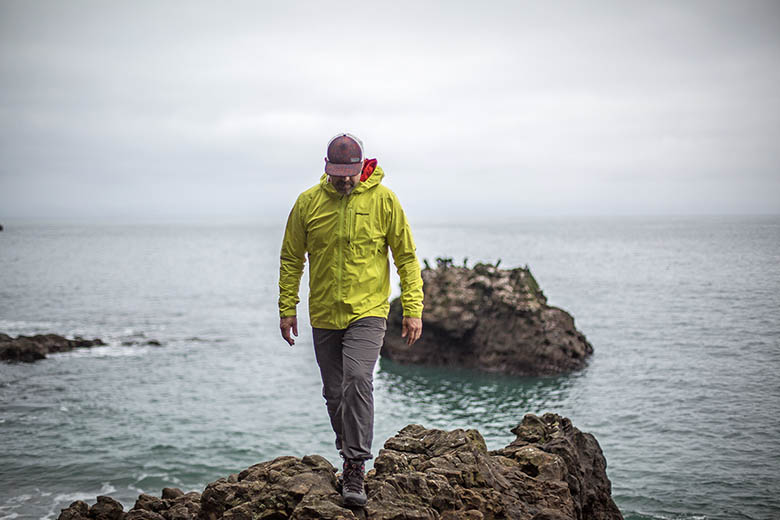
285	324
287	337
411	329
414	335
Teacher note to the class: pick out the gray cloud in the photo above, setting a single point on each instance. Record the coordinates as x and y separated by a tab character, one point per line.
149	108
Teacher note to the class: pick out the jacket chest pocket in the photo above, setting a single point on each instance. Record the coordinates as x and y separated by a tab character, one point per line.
367	231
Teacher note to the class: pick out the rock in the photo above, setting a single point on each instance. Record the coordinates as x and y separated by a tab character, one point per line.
172	493
424	473
78	510
285	487
544	443
551	471
142	514
491	319
33	348
173	505
149	503
184	507
106	508
141	341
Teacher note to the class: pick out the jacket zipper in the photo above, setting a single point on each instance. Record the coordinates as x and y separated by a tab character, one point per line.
342	224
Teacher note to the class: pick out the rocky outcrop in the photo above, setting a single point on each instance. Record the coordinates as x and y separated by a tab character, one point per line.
551	471
174	505
33	348
491	319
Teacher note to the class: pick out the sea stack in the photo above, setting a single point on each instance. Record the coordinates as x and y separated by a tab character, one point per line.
490	319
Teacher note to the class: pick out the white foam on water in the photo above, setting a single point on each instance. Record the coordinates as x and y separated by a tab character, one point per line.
105	351
19	498
176	480
68	498
135	489
107	488
56	505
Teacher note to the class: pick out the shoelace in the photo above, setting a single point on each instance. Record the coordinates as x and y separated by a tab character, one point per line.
353	474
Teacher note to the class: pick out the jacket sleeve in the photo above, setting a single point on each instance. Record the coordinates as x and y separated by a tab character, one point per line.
291	261
399	238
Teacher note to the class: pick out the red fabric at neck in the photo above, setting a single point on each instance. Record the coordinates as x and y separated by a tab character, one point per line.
368	168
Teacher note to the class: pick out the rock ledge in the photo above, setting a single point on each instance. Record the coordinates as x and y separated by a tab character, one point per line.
551	471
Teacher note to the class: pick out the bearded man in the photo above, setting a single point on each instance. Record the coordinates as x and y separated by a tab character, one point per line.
346	224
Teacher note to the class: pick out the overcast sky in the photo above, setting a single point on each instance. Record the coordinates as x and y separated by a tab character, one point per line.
180	109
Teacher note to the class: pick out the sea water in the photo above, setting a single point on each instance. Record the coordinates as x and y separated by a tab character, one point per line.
682	392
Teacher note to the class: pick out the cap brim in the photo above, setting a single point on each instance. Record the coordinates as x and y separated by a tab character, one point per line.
343	170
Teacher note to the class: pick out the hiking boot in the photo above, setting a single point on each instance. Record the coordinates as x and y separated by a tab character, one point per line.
353	491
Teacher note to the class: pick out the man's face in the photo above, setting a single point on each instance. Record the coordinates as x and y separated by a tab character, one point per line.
344	185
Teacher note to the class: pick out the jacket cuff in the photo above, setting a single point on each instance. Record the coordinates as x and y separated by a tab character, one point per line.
288	313
413	314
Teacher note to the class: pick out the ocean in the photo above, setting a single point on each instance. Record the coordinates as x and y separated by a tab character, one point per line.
682	392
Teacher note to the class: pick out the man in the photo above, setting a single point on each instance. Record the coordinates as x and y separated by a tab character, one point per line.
346	224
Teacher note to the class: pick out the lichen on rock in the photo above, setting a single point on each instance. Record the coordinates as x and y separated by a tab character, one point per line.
491	319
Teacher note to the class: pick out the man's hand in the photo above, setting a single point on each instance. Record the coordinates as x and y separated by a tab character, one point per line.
411	329
286	324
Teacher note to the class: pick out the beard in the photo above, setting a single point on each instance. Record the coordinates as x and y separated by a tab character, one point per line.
344	185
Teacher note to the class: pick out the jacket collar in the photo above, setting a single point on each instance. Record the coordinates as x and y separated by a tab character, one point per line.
369	183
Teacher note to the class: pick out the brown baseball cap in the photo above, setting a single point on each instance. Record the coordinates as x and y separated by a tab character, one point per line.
345	156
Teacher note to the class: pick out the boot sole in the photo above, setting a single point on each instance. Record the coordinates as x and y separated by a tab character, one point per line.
355	502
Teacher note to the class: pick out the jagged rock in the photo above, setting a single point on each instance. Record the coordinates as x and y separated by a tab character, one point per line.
142	514
78	510
33	348
432	474
106	508
491	319
286	487
172	493
149	503
551	471
174	505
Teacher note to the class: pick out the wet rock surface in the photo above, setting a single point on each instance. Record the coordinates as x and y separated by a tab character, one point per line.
491	319
32	348
551	471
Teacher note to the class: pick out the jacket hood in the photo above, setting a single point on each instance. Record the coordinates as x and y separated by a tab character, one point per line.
374	180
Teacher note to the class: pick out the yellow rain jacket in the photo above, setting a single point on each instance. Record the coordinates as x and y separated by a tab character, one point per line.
346	238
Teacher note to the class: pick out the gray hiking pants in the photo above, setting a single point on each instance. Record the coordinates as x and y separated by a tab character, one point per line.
346	358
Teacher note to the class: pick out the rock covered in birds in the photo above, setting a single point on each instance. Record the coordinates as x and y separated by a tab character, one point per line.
33	348
551	471
491	319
